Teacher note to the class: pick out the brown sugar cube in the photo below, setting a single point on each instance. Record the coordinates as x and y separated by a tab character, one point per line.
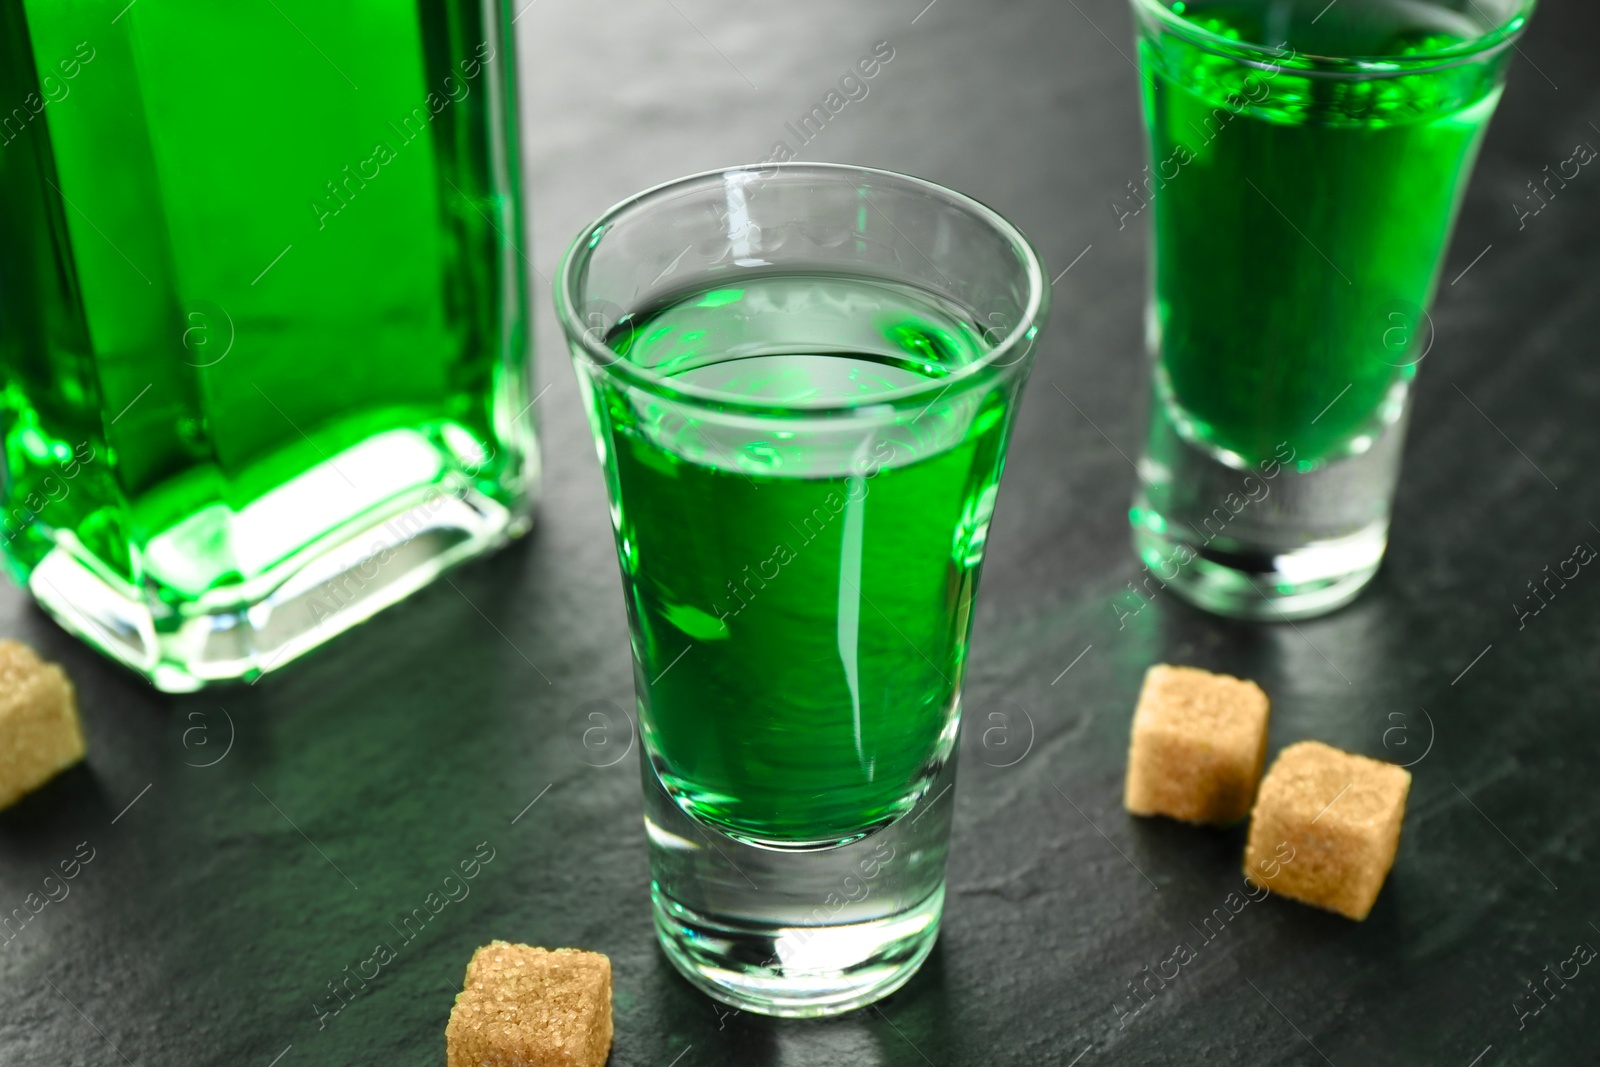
1199	740
1325	827
528	1007
40	735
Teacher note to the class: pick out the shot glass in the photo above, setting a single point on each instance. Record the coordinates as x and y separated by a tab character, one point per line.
1307	161
801	380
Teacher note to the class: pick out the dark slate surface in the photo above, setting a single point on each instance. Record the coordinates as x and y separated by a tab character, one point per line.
219	905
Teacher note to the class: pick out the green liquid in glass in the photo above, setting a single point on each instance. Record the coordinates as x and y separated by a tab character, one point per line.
1300	222
801	613
243	301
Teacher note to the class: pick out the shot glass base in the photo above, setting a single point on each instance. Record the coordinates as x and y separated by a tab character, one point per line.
799	932
1262	584
1288	536
797	971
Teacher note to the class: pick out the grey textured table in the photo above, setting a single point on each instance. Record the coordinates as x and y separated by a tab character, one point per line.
222	900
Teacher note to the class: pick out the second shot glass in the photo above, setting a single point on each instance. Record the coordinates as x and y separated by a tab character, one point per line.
1307	161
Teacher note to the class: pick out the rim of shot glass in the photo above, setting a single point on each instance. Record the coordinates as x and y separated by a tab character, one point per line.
570	276
1271	57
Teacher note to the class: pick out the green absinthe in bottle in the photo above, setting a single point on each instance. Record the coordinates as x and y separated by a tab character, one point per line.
801	602
261	316
1300	220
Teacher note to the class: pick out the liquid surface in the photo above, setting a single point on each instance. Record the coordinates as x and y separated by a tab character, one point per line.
800	605
291	255
1300	222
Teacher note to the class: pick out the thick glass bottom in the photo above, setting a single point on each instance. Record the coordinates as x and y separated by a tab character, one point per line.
798	933
1259	584
797	971
379	548
1281	538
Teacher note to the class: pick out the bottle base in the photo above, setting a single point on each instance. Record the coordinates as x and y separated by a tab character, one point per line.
238	632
